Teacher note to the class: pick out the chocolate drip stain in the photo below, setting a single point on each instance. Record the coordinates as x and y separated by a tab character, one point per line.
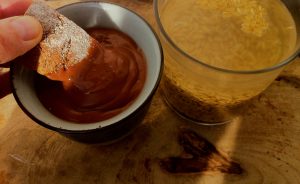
204	157
292	80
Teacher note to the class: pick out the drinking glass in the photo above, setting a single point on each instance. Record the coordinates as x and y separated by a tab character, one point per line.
202	92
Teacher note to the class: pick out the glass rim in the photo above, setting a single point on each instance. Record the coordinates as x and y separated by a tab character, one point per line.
280	64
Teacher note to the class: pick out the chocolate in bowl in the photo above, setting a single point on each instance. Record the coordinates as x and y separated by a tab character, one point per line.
88	15
99	87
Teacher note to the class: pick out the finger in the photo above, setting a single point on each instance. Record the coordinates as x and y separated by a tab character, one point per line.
5	86
10	8
17	36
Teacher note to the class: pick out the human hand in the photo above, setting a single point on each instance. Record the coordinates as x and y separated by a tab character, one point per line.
18	34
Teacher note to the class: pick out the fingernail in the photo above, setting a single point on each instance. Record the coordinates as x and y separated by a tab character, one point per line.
26	27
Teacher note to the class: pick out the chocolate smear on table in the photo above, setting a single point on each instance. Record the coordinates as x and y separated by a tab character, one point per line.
199	156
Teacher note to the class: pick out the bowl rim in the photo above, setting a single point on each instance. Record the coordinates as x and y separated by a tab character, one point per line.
132	114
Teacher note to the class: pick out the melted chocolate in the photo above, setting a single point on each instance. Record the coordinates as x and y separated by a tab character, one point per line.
102	85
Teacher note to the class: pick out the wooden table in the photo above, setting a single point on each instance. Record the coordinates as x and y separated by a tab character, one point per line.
263	146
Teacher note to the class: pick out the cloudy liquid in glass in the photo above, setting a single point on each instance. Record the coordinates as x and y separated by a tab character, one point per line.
231	34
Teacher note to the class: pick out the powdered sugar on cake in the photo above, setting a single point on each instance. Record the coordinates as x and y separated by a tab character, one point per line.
64	43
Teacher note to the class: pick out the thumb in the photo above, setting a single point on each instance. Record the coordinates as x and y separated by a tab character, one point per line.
17	36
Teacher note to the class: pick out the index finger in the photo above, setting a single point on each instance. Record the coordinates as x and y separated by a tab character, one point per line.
9	8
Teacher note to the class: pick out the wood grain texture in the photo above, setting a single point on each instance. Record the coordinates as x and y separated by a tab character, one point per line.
264	141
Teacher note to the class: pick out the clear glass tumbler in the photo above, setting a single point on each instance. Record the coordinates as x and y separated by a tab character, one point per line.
219	54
